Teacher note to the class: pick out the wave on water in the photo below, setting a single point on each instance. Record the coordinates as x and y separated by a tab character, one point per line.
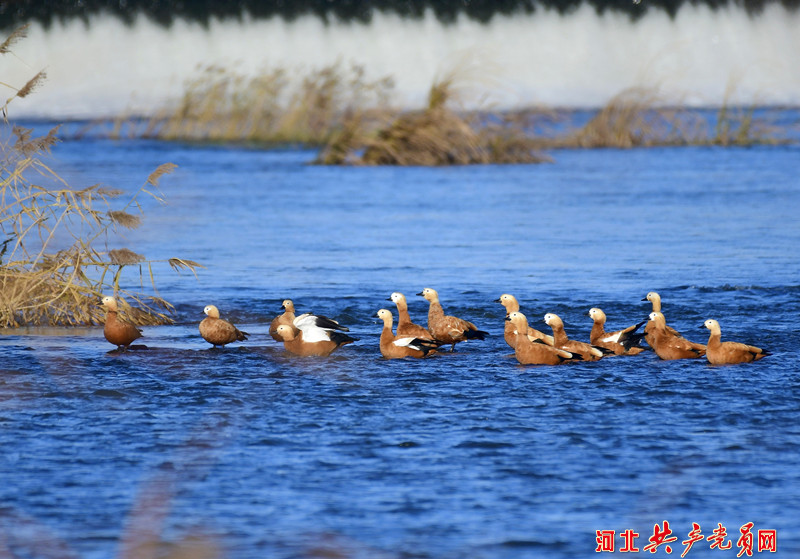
105	65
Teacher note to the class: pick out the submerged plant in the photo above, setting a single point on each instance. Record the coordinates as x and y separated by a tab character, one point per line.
52	270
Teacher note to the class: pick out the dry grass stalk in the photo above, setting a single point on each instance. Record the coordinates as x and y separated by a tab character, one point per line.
124	257
221	105
129	221
40	285
642	117
348	116
43	283
632	118
434	136
16	36
32	84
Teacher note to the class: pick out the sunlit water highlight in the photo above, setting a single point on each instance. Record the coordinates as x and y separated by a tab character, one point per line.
461	455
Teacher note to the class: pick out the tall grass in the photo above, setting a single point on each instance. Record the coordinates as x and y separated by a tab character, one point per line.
437	135
273	107
351	119
643	117
53	270
634	118
737	125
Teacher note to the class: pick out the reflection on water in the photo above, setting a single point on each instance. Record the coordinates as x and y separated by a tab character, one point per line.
260	454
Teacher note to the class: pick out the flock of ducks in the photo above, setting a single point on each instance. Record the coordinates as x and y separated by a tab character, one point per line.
310	334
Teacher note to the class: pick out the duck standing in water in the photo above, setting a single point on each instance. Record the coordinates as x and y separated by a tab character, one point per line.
118	332
218	331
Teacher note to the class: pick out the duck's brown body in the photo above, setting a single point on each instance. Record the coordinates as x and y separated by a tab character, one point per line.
297	345
406	328
655	300
218	331
510	330
621	342
398	347
528	352
728	353
287	318
669	346
448	329
562	341
116	331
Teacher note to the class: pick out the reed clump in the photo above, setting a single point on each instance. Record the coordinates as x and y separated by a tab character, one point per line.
632	118
635	118
349	117
52	269
434	136
273	107
643	117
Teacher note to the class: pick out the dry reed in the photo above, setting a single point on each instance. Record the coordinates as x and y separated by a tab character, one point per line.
51	271
349	117
643	117
273	108
435	136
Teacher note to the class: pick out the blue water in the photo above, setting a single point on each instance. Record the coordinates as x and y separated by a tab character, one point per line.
249	452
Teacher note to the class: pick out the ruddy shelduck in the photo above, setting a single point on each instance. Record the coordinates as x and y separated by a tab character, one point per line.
118	332
529	352
670	346
621	342
511	304
728	353
397	347
562	341
655	300
287	318
448	329
405	327
316	335
218	331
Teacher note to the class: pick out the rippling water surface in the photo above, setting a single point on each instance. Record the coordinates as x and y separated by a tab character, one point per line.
254	453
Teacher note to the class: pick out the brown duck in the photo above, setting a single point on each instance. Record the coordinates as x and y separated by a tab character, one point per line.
510	330
536	353
448	329
316	335
669	346
561	341
727	353
405	327
397	347
286	318
120	333
655	300
218	331
621	342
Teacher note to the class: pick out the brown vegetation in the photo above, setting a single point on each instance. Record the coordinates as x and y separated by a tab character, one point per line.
221	105
51	271
437	135
350	118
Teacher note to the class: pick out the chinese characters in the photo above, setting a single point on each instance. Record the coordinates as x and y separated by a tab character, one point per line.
662	537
